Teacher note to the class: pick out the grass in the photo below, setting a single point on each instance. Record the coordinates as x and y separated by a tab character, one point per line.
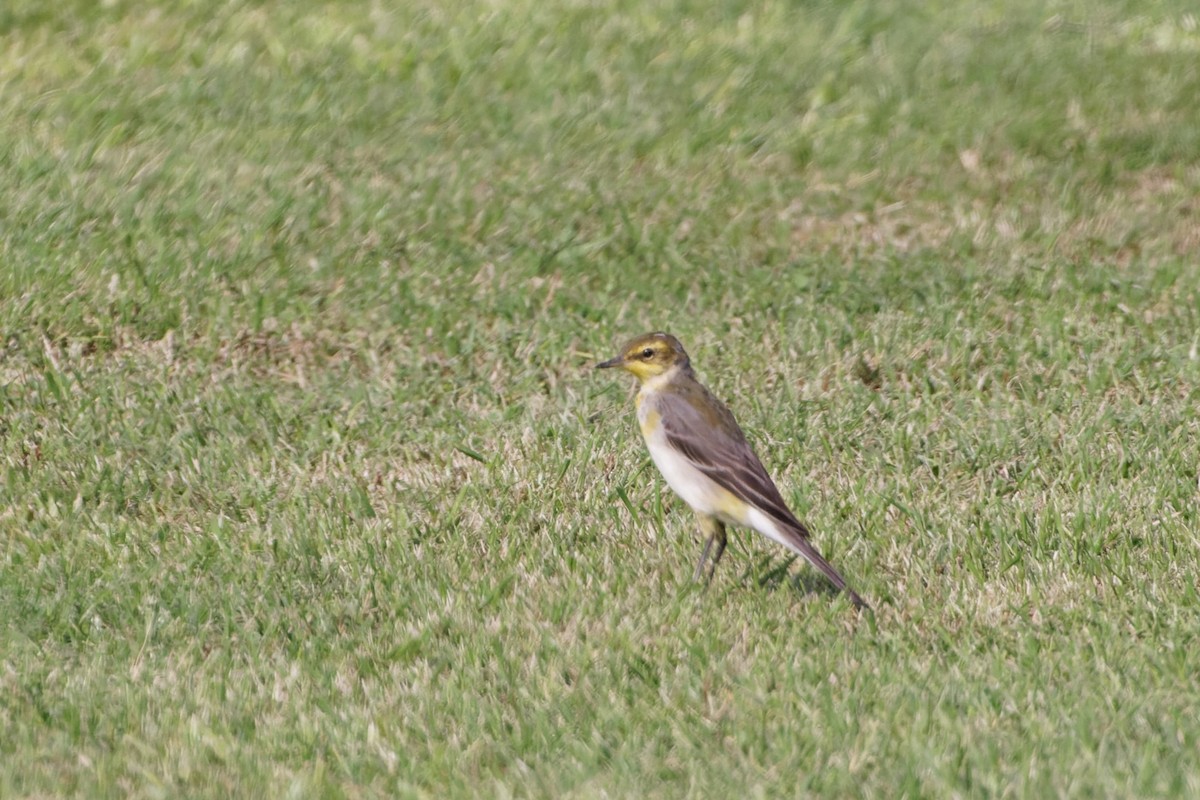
308	489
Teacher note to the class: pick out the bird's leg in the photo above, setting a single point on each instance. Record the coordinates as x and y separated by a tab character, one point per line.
715	529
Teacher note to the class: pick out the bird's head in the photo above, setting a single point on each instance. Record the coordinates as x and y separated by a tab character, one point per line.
649	355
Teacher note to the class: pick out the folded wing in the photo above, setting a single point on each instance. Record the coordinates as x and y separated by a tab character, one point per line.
703	429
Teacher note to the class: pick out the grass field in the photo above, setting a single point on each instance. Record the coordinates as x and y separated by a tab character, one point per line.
307	488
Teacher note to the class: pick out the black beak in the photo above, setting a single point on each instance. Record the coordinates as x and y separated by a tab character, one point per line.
612	362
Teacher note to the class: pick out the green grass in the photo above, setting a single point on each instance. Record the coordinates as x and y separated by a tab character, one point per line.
307	489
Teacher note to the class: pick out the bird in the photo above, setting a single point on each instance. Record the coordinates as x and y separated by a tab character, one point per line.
704	457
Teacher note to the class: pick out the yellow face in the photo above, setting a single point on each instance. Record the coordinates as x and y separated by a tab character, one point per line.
648	355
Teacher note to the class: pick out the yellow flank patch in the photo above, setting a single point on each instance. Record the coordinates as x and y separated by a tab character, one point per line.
650	422
731	507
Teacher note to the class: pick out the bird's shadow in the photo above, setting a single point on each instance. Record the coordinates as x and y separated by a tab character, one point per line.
775	574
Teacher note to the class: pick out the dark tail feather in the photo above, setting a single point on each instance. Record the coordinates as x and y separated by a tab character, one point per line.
797	540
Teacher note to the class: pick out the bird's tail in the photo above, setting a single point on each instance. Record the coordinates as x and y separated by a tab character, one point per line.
795	538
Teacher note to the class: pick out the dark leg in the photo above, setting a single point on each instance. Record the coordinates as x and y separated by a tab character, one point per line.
715	529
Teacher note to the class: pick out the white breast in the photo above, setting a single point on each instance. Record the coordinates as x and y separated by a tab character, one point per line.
693	486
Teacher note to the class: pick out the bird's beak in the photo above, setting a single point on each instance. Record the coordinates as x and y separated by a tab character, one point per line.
612	362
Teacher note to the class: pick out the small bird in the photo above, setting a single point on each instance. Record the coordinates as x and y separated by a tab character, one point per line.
705	458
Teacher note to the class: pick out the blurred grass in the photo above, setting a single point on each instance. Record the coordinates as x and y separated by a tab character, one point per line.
307	488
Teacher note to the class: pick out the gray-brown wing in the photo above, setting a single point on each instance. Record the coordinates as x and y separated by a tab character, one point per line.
703	429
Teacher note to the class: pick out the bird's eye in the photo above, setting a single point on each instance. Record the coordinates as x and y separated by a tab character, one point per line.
648	353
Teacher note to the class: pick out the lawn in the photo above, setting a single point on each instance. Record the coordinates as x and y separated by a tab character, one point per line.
308	489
